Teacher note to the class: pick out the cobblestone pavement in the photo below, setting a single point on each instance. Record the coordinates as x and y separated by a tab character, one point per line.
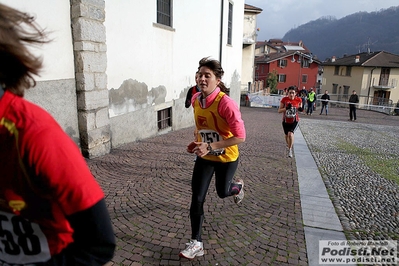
147	187
359	163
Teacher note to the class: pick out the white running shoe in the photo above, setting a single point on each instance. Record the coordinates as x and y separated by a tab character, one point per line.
238	198
193	249
290	153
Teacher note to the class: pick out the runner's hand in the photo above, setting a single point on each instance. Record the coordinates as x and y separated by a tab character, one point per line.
191	146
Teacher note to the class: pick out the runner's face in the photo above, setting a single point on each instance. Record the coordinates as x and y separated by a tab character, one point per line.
291	94
207	80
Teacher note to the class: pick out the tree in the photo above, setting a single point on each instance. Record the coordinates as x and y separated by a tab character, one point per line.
272	81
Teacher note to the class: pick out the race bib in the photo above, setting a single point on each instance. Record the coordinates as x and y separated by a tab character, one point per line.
290	113
210	136
21	242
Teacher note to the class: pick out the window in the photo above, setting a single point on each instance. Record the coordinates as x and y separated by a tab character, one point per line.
346	90
164	118
230	24
164	12
348	71
282	63
334	90
384	76
336	70
304	78
282	78
305	63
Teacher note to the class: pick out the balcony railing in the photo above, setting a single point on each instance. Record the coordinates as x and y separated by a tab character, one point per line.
386	83
248	40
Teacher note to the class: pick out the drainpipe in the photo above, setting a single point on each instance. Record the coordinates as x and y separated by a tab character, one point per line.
371	77
221	32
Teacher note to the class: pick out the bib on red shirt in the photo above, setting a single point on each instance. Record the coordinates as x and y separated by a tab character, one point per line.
291	115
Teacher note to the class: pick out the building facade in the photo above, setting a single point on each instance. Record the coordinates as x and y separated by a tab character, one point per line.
248	47
373	75
293	64
117	73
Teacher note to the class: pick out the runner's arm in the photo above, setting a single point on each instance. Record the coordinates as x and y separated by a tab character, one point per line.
94	240
281	108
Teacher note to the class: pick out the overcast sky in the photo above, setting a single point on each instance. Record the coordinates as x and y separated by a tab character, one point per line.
279	16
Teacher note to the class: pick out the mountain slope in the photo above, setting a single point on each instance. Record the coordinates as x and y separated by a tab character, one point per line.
355	33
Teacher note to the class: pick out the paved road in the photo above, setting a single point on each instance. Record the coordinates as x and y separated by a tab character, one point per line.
147	186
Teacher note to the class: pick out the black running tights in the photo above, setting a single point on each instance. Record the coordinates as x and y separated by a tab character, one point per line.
202	176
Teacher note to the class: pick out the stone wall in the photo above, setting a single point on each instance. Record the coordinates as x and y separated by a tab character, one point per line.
90	51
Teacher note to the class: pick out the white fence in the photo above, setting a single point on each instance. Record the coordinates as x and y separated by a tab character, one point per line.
263	100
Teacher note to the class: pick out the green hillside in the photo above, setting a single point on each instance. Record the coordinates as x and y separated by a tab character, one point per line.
359	32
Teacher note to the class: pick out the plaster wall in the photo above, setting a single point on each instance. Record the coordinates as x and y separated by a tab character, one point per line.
360	80
375	79
129	69
58	97
151	67
55	90
232	54
54	17
248	51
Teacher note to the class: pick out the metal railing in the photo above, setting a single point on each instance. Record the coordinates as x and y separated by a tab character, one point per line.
377	104
386	82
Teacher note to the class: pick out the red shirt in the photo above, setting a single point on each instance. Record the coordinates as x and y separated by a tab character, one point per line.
291	115
43	179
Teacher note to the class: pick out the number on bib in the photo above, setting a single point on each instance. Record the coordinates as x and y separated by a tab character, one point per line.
21	242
